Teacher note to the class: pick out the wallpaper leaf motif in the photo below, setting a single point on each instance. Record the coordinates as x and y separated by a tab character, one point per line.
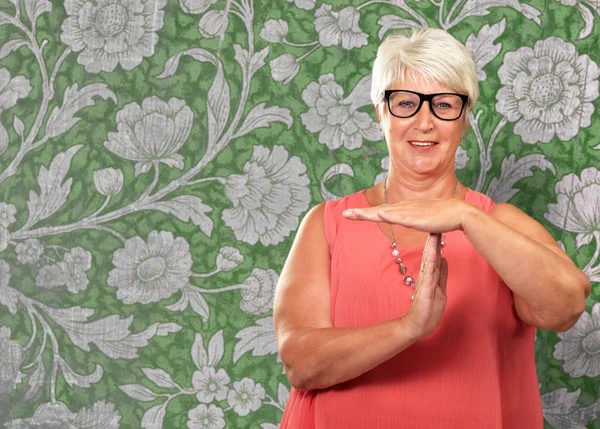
62	119
186	208
53	192
333	171
260	117
217	106
561	410
35	8
393	22
198	54
513	170
10	46
74	379
482	47
259	339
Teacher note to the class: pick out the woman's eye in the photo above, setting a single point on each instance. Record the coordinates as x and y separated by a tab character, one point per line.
443	106
406	104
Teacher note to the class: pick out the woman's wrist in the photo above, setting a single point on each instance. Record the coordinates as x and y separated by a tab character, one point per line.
467	214
408	332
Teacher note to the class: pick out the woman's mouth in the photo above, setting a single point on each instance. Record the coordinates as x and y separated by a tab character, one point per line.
422	145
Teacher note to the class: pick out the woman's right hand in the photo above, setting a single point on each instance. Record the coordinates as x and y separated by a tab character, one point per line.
429	301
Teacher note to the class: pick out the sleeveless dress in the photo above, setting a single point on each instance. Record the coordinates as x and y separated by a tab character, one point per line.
475	371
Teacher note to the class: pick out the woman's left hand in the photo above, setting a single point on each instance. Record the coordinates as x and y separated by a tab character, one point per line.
433	216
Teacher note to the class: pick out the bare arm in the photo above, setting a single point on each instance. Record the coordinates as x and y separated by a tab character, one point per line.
317	355
549	290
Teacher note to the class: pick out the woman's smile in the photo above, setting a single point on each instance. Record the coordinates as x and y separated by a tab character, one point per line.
422	145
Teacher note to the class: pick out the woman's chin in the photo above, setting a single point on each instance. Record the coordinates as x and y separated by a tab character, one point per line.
425	167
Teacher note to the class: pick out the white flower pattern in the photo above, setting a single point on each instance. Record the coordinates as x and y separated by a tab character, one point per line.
78	258
74	277
203	417
385	166
268	198
339	28
11	358
29	251
210	384
578	208
149	271
111	32
108	181
274	31
56	415
303	4
153	132
4	237
229	258
213	24
7	214
258	291
51	276
4	273
12	89
561	410
196	6
284	68
548	90
246	396
579	347
4	276
336	118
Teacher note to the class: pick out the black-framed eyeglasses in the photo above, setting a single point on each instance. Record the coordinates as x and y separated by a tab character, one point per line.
444	105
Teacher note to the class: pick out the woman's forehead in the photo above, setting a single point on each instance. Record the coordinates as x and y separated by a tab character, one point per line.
413	81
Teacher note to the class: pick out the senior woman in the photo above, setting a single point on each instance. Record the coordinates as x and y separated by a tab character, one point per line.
413	304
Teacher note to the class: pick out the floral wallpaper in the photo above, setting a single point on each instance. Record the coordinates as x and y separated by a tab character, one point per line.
156	158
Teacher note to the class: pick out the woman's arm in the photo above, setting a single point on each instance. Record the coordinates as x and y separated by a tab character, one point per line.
317	355
549	290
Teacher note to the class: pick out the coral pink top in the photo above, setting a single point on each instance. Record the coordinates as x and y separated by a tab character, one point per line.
475	371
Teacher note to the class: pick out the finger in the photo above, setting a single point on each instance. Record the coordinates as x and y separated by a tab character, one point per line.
429	272
369	213
443	280
395	216
434	252
436	258
421	219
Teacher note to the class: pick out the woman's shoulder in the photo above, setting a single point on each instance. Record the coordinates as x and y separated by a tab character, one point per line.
479	200
355	200
332	213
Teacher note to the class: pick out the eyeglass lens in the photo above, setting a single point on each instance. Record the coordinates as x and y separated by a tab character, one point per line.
405	104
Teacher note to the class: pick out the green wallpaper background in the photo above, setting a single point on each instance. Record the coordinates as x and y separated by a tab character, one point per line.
156	157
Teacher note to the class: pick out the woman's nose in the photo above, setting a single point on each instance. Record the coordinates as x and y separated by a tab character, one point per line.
424	118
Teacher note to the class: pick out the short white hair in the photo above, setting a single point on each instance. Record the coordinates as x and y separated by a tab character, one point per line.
429	52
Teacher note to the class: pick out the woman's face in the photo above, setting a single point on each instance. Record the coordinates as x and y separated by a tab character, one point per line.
406	137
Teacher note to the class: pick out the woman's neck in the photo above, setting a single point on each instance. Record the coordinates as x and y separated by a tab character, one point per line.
407	187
